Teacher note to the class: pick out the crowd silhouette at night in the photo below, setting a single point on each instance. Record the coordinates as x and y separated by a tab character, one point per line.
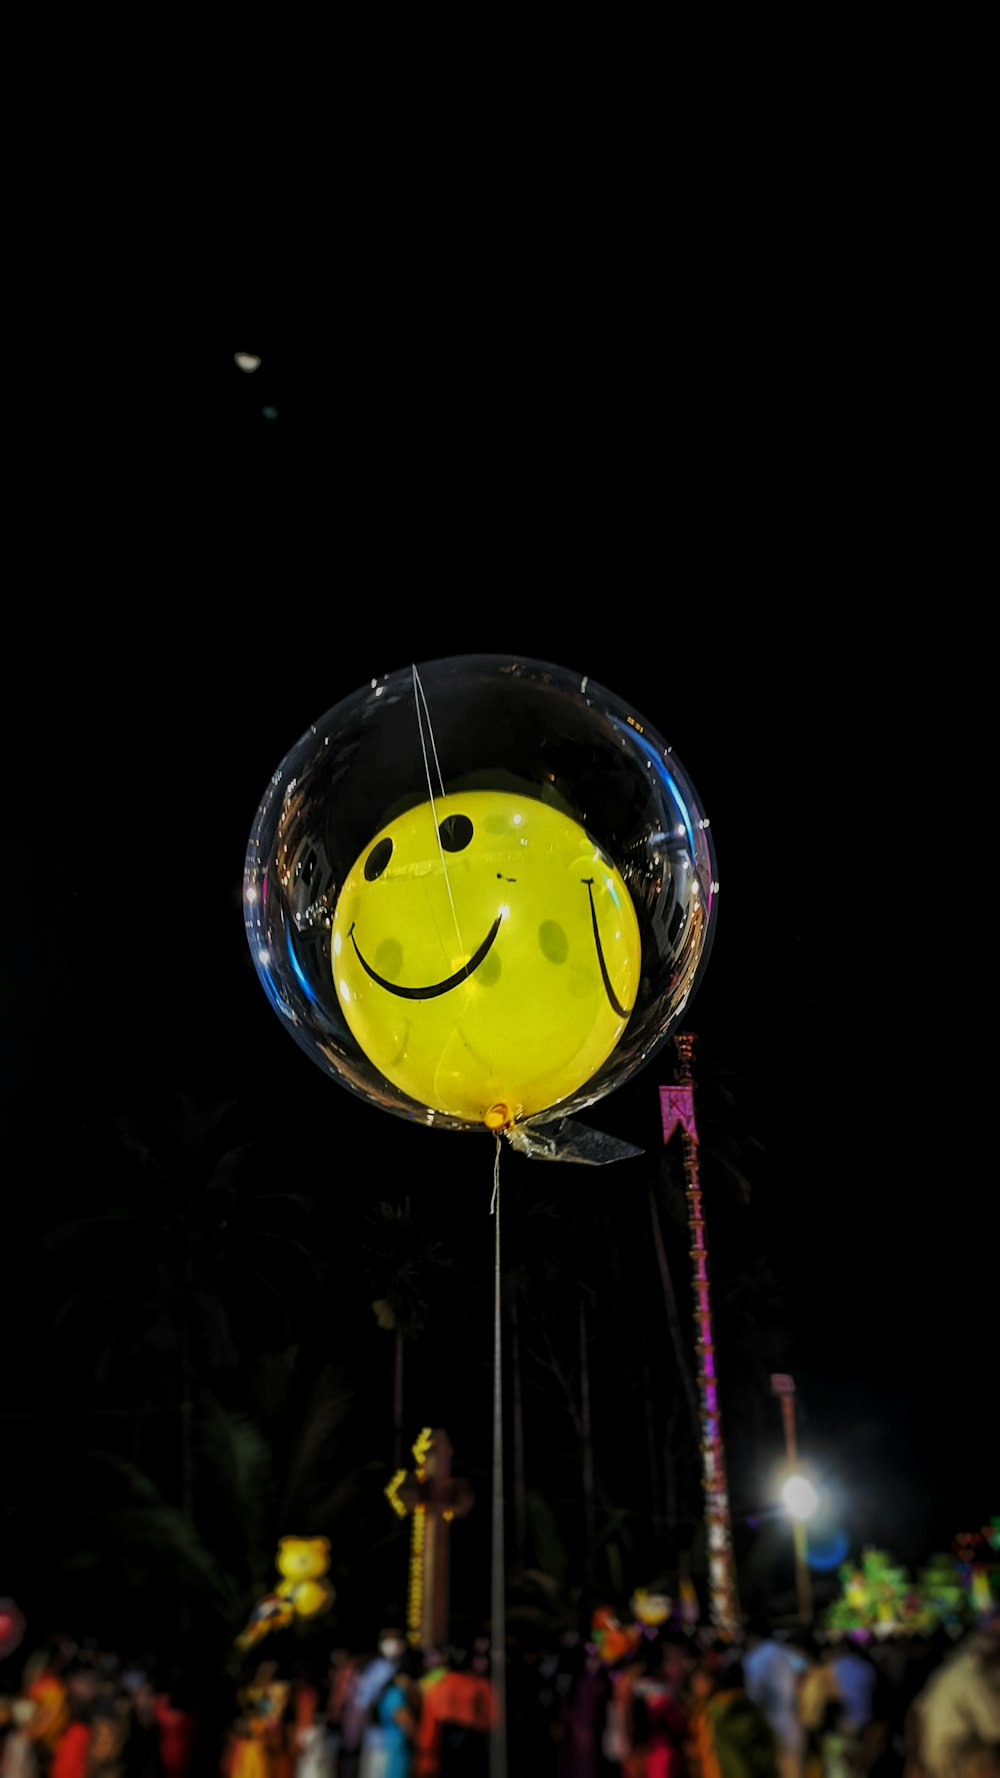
679	1702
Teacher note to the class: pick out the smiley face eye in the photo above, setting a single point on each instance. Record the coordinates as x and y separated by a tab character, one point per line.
377	860
456	832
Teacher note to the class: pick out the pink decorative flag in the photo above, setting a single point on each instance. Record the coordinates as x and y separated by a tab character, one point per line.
677	1107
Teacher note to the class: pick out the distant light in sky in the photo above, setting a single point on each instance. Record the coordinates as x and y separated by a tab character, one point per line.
247	361
269	413
799	1496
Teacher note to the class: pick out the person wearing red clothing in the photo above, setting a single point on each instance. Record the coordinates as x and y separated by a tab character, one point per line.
303	1703
69	1756
177	1720
45	1685
654	1711
459	1713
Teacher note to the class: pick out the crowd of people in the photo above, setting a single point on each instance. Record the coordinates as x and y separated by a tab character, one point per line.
675	1703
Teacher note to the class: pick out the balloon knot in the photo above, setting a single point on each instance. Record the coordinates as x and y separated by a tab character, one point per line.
499	1117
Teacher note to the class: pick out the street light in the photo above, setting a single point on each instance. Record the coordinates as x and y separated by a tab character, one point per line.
798	1494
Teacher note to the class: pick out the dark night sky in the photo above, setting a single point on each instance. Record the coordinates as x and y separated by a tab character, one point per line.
245	573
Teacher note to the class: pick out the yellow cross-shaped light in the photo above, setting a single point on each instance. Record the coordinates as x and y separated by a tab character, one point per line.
392	1493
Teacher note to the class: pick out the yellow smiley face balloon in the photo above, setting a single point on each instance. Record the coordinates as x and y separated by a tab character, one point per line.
485	953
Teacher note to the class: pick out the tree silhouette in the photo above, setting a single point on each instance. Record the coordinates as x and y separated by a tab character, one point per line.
402	1258
282	1464
189	1265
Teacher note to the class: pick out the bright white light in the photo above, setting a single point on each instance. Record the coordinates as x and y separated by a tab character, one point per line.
799	1496
247	361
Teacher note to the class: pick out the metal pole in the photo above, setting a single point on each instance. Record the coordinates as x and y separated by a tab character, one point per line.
784	1388
498	1639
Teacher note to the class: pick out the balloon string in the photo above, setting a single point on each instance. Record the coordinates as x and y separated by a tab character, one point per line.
498	1633
494	1205
420	699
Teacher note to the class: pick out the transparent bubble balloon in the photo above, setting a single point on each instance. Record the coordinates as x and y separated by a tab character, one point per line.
480	893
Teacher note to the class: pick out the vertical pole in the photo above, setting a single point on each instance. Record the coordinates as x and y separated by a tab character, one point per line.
430	1493
434	1628
784	1388
498	1636
724	1597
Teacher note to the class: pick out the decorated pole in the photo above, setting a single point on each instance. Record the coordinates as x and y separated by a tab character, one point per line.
677	1107
431	1496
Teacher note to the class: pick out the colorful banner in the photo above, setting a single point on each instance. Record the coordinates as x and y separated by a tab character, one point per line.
677	1107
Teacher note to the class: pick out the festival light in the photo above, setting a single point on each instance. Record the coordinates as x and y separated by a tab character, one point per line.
799	1496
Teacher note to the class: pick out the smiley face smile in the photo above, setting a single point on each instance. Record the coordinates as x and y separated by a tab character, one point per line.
433	989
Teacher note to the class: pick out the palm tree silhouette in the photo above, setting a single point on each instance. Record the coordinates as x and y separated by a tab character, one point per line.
402	1257
283	1463
190	1264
